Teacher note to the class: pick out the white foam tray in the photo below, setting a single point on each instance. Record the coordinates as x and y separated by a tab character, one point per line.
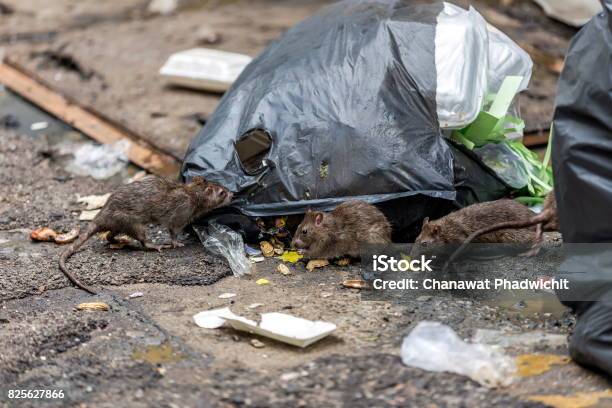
205	69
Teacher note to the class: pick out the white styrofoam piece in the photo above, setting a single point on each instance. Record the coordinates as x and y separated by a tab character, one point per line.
573	12
213	319
285	328
278	326
203	68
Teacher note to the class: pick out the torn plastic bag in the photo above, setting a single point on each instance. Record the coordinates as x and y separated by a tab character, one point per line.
582	165
350	103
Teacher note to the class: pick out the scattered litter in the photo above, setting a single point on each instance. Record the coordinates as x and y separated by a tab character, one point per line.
46	234
530	365
285	328
68	237
355	284
262	281
255	305
100	161
257	344
162	7
257	259
278	326
526	340
325	295
43	234
343	262
223	241
436	347
578	400
573	12
282	268
250	251
94	306
88	215
291	256
316	263
279	251
212	319
93	202
203	68
136	295
226	295
39	126
291	376
267	249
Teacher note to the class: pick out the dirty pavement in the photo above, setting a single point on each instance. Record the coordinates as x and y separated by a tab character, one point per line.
135	343
146	351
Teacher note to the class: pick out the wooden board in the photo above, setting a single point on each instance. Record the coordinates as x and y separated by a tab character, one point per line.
85	120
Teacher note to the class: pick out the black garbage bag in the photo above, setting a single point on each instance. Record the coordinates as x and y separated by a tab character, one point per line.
582	163
342	106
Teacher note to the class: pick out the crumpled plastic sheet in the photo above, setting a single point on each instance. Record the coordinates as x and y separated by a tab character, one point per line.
505	163
224	242
99	161
433	346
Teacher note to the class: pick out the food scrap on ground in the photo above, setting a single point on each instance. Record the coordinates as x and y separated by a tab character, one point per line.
316	263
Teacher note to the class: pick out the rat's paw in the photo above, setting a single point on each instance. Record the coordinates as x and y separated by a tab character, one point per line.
177	244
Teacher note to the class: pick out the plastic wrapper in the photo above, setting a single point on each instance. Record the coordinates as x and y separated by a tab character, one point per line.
434	346
223	241
504	162
351	103
99	161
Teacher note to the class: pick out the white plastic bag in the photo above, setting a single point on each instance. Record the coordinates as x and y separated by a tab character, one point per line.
472	60
434	346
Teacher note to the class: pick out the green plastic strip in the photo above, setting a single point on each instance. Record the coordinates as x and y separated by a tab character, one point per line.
505	96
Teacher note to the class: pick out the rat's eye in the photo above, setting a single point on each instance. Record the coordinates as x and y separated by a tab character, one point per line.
304	231
222	193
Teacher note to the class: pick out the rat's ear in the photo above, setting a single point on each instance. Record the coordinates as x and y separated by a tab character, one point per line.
426	221
435	230
318	218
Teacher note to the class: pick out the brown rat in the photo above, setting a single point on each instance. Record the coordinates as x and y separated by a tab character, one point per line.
343	231
151	200
458	226
547	220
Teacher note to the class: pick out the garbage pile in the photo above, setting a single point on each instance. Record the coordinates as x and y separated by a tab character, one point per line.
374	101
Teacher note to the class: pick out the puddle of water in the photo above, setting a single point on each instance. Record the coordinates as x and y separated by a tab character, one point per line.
59	135
28	114
163	353
528	303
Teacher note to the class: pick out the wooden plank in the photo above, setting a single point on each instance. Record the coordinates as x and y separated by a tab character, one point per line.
85	120
535	139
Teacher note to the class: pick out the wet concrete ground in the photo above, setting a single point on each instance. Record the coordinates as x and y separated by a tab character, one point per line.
148	352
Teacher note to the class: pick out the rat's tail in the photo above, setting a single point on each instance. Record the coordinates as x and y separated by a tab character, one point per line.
93	229
538	219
